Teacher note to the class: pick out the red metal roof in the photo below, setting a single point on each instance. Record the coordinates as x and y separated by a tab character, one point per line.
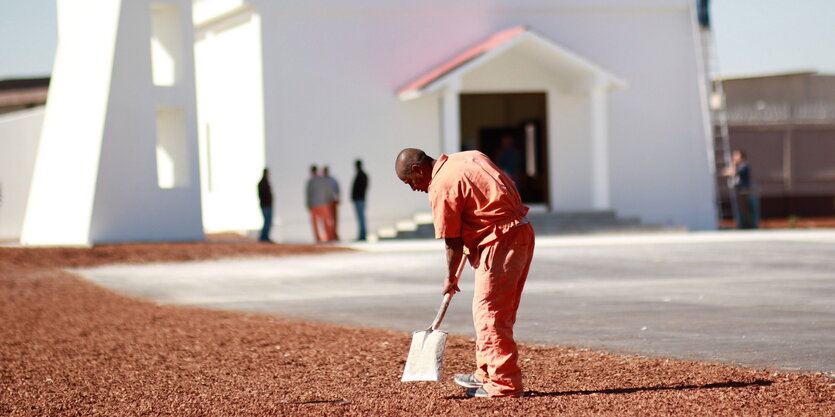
493	42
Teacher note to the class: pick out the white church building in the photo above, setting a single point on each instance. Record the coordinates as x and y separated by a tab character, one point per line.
162	114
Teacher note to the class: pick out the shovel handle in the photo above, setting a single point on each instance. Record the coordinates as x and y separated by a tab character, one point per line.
447	298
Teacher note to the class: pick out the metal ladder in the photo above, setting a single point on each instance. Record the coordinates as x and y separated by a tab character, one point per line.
719	127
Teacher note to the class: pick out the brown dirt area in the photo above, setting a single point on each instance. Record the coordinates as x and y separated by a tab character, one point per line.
70	348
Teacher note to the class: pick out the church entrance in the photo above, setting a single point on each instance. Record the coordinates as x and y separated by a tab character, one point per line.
511	129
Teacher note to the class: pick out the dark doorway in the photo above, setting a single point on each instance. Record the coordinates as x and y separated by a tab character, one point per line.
511	130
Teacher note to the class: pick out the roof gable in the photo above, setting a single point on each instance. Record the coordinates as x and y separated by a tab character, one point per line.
523	38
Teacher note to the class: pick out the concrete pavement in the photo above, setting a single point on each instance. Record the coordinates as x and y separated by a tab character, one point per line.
756	298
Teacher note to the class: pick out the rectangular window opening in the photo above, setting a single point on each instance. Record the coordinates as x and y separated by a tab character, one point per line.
172	152
166	44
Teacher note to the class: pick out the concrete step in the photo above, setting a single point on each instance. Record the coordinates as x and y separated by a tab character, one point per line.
579	222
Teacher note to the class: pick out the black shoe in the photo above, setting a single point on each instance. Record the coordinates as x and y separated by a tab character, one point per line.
480	392
476	392
467	381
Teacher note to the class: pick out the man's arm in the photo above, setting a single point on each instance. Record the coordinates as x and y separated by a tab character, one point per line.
729	170
454	253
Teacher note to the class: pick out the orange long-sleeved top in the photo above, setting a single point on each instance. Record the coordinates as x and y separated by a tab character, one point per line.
473	199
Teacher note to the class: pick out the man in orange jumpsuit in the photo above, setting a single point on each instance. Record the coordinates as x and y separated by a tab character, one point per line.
476	206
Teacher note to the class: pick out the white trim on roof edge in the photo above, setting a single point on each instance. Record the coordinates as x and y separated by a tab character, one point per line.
610	81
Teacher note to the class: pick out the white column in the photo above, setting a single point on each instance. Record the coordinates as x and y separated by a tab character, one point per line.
60	207
451	118
555	131
599	150
96	177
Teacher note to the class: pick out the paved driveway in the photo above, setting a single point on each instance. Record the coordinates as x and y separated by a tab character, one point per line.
760	298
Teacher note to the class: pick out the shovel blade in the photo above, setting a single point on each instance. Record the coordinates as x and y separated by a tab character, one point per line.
426	356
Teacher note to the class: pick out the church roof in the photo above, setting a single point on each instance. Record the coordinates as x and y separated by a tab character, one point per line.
546	50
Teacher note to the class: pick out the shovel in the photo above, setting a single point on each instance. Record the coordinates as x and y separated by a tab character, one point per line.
426	354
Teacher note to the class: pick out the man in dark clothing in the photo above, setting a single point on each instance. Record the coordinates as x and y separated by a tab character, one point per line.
703	13
746	200
265	196
358	190
509	160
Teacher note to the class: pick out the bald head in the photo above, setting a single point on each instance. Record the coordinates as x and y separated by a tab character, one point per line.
406	158
414	168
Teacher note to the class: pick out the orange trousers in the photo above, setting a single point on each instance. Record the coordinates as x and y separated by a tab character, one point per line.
324	229
499	281
335	212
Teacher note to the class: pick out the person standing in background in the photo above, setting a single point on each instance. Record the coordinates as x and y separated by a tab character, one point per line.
265	196
334	203
509	160
358	190
747	212
319	200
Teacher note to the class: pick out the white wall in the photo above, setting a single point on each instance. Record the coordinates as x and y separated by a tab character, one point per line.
330	83
660	169
63	185
331	73
20	133
204	10
569	151
230	114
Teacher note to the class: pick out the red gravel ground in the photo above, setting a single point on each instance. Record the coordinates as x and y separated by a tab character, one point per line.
68	347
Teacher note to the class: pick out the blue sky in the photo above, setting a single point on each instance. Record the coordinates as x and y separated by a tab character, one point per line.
766	36
752	36
28	35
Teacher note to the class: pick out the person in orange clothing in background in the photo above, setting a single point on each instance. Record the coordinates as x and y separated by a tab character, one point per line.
326	173
319	201
475	206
